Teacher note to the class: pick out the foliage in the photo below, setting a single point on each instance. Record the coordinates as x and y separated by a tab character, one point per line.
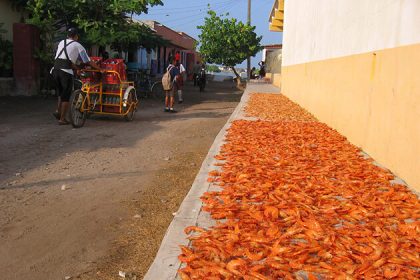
103	22
6	54
18	4
227	41
100	22
212	68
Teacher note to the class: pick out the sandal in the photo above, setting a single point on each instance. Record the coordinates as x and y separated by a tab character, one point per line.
63	122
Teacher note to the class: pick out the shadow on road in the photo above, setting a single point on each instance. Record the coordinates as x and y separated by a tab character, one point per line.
30	136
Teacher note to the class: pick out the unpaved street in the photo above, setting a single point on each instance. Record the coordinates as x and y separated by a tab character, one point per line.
89	202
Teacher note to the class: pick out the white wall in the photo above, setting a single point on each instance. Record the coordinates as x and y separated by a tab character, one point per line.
322	29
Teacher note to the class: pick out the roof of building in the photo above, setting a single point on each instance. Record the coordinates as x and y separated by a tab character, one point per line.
273	46
277	16
179	39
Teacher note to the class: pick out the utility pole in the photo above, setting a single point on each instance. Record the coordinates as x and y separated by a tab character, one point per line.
248	61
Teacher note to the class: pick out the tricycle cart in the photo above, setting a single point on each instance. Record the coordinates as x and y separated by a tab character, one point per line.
106	93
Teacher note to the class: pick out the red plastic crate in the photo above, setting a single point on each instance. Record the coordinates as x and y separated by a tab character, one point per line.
93	77
115	65
96	59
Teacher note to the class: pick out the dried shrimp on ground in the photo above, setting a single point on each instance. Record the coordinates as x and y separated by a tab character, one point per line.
276	107
298	201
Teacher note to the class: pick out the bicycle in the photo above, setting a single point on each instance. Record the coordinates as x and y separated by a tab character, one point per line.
145	86
109	95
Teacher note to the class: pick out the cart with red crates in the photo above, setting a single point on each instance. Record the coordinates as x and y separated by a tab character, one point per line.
104	93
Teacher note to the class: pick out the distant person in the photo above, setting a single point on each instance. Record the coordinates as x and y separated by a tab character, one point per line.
180	81
252	73
262	69
178	56
69	54
170	91
196	72
202	77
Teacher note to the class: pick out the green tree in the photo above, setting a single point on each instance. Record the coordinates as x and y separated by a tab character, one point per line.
104	22
101	22
212	68
6	54
227	41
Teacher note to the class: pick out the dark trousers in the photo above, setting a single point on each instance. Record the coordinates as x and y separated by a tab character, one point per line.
64	84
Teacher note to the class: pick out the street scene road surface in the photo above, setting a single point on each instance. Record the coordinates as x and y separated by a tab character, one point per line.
87	203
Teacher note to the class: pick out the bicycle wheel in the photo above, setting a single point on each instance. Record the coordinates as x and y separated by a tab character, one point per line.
78	108
130	109
157	91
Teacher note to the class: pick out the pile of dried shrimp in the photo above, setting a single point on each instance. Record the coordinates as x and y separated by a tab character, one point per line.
298	201
276	107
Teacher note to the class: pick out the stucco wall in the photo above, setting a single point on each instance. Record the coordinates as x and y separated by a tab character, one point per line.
356	66
8	16
323	29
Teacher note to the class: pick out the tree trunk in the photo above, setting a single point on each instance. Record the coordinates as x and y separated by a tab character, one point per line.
238	78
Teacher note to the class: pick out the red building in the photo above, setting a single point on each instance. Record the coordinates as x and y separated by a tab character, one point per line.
179	42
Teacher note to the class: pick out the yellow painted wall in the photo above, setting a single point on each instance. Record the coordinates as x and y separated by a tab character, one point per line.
276	79
371	98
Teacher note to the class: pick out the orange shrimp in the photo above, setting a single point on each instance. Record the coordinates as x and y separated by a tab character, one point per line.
391	271
271	212
183	275
189	229
233	265
254	256
258	276
311	276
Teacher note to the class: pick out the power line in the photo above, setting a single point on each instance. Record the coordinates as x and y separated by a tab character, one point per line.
166	10
195	19
200	15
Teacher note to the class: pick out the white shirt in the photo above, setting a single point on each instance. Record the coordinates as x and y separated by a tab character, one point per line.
75	51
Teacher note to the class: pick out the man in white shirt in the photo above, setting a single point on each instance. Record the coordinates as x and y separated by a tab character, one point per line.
69	54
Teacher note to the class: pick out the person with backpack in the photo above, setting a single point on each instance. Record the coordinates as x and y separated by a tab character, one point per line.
170	87
69	54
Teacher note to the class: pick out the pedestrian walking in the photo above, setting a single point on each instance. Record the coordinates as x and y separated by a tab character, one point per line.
177	56
262	69
70	53
196	72
252	74
180	80
170	87
202	77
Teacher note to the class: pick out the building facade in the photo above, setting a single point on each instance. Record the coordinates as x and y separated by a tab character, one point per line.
272	55
356	66
180	42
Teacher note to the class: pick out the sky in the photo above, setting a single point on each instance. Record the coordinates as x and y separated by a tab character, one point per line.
186	15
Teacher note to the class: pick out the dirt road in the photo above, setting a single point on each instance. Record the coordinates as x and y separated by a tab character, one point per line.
89	202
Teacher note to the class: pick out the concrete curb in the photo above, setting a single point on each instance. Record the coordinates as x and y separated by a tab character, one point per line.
166	264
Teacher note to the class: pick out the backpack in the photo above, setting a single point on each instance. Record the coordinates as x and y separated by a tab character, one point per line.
167	79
